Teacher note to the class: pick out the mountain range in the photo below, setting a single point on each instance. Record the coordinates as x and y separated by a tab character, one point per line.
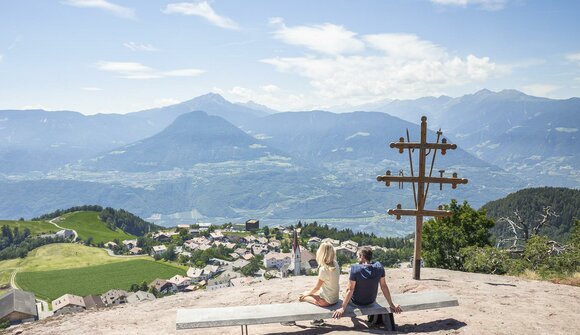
209	159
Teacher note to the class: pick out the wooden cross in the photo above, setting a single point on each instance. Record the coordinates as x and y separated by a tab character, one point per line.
423	182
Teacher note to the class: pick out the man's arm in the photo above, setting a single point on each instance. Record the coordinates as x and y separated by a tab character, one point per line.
394	308
349	291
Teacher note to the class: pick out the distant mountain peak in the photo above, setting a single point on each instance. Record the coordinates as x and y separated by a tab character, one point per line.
211	97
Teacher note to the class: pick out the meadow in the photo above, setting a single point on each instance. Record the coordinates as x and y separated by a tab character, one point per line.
88	224
94	279
36	227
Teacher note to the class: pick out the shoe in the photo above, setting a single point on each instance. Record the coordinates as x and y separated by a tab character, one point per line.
317	322
289	323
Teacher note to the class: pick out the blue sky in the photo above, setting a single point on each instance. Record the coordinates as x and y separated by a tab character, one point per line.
116	56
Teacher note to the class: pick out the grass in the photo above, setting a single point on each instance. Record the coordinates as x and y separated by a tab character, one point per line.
88	224
65	256
36	227
94	279
56	257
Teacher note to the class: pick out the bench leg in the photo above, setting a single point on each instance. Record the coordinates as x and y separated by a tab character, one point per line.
246	326
389	322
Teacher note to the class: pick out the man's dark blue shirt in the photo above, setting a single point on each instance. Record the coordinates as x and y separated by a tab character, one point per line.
367	277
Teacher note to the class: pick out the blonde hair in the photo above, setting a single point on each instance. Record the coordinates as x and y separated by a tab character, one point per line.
325	255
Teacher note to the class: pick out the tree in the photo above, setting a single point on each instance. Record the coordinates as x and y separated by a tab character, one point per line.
444	238
522	230
266	231
251	269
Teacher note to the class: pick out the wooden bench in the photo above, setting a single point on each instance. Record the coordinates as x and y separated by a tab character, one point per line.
300	311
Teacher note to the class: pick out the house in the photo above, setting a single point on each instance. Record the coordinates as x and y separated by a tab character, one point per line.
162	237
66	233
216	235
135	250
346	250
257	250
262	240
163	286
197	274
139	296
18	306
239	263
204	247
252	224
275	245
110	245
180	282
217	283
335	243
130	244
314	241
276	260
234	255
248	256
350	243
190	244
114	297
182	226
68	303
158	250
241	251
93	301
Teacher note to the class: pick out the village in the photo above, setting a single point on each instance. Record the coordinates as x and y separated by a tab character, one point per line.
248	244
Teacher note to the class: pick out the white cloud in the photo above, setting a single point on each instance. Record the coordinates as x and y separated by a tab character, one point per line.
405	66
133	70
574	58
202	9
124	12
325	38
140	47
270	88
1	57
540	90
357	79
490	5
566	130
92	89
405	46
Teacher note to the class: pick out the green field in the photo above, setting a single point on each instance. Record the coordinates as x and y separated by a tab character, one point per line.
94	279
88	224
36	227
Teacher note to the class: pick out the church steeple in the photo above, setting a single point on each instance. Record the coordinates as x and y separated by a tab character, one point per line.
296	258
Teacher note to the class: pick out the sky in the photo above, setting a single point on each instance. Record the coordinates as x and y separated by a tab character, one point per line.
120	56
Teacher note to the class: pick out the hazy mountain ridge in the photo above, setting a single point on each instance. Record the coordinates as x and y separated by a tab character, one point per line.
534	138
282	166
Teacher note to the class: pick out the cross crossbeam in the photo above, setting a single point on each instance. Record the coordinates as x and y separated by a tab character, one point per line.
422	180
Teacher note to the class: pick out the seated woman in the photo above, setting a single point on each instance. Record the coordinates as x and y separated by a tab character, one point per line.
325	292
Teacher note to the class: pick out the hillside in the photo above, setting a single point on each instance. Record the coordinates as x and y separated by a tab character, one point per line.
36	227
88	224
530	203
488	304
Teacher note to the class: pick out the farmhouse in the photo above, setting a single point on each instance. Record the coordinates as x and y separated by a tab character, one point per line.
68	303
163	286
93	301
158	250
114	297
197	274
129	244
180	281
18	306
276	260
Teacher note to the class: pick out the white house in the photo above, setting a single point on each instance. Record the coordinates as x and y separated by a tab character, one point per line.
158	250
277	260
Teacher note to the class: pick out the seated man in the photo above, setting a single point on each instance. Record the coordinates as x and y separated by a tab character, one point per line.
364	282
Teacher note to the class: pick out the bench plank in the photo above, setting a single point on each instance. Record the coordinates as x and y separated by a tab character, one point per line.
299	311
